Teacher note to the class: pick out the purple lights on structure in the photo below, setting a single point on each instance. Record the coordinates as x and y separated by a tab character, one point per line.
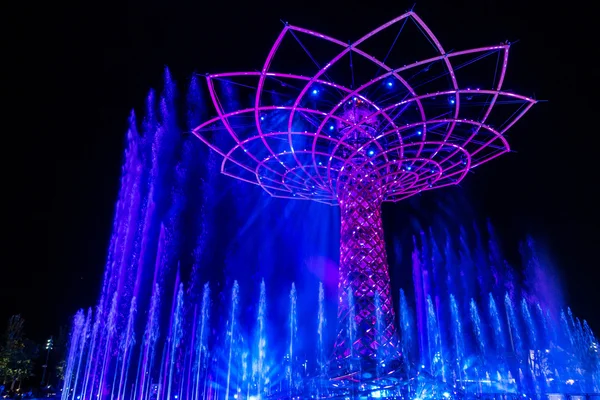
364	283
334	138
419	140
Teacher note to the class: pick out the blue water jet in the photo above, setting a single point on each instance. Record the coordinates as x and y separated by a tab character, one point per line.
260	328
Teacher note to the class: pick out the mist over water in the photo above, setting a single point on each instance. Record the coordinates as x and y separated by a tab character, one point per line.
214	290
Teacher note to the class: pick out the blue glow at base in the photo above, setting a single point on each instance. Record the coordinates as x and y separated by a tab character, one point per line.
214	290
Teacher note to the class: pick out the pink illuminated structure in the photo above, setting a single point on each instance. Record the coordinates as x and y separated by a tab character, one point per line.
359	130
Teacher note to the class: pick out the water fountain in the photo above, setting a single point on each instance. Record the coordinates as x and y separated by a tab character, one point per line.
465	327
492	343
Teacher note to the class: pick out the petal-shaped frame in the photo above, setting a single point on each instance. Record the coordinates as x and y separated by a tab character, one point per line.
410	155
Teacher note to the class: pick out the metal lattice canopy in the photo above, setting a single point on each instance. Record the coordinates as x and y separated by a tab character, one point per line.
409	124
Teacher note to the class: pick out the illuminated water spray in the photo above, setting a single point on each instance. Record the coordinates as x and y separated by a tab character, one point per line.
356	133
363	128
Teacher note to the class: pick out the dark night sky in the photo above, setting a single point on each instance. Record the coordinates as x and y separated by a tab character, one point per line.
80	68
